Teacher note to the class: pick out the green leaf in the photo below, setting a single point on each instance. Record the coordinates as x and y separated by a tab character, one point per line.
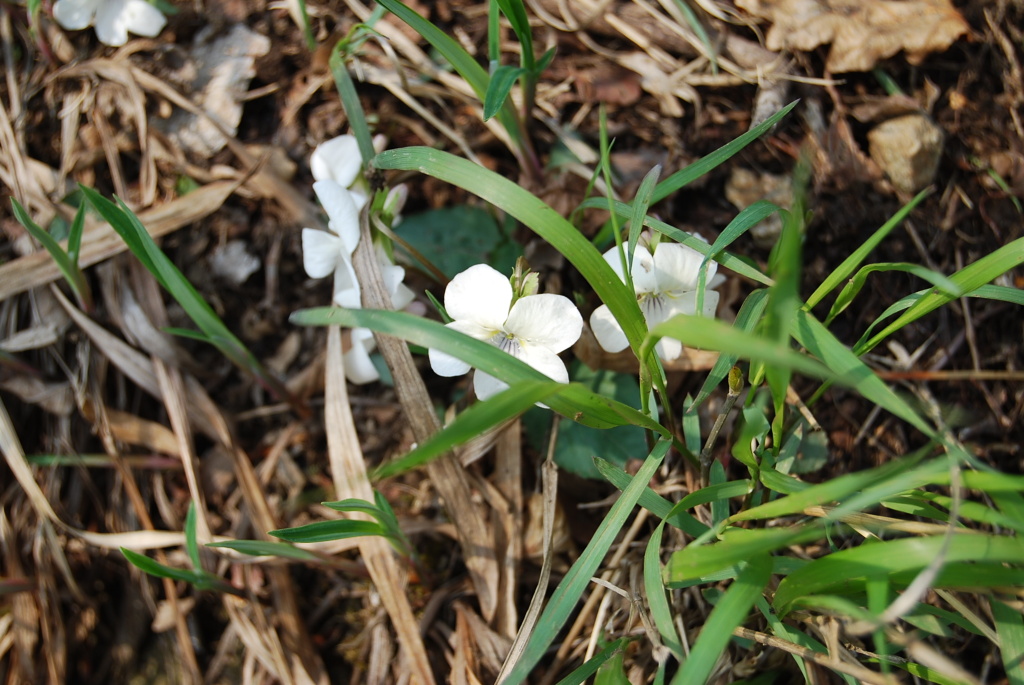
1010	628
572	400
536	215
968	279
266	548
640	205
702	166
456	238
158	570
67	264
323	531
853	288
849	568
565	597
652	501
190	537
746	320
850	264
589	668
737	545
657	600
502	80
350	102
474	421
732	610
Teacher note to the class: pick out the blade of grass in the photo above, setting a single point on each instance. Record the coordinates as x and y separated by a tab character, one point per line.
589	667
266	548
572	400
732	609
1010	628
657	601
67	264
842	272
854	286
324	531
736	546
565	597
652	501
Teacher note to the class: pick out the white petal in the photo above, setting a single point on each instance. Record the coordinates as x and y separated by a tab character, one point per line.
394	203
402	297
607	330
481	295
110	28
487	386
642	270
337	160
142	18
321	252
668	349
615	262
548	321
443	363
75	15
359	368
677	266
341	210
346	286
546	362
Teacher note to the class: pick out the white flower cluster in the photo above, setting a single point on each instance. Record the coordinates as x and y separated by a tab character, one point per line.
666	284
112	19
336	165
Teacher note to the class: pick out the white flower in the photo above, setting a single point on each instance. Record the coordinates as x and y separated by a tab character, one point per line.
327	252
113	19
339	160
359	368
665	285
535	329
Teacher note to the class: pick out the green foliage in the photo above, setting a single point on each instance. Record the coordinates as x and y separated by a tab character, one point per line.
65	259
456	238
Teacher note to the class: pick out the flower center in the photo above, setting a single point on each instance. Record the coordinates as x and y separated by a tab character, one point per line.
507	342
651	303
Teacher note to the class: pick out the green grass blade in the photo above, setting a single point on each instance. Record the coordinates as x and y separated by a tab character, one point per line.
572	400
75	235
67	265
307	28
820	342
1010	628
641	203
657	601
589	668
351	103
191	545
565	597
842	272
737	545
711	334
854	286
746	320
730	261
502	80
158	570
359	505
474	74
968	279
536	215
266	548
652	501
520	22
474	421
732	609
849	569
702	166
324	531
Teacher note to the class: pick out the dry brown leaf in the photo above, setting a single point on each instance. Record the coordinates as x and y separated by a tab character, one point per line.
861	32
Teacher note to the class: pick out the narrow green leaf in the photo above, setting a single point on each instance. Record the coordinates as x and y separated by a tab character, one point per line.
850	264
702	166
266	548
158	570
359	505
746	320
657	601
732	610
841	570
853	288
67	265
351	103
536	215
968	279
652	501
641	203
520	22
737	545
565	597
589	668
191	545
572	400
1010	628
502	80
75	235
324	531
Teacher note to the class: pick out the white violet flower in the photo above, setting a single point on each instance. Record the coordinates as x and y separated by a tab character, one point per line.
665	285
112	19
327	252
534	329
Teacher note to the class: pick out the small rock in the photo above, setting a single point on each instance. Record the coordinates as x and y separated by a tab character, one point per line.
907	149
233	262
745	187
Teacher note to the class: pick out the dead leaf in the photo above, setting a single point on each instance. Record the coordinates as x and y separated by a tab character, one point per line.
861	32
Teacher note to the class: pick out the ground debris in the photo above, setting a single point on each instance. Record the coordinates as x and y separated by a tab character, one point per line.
862	32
